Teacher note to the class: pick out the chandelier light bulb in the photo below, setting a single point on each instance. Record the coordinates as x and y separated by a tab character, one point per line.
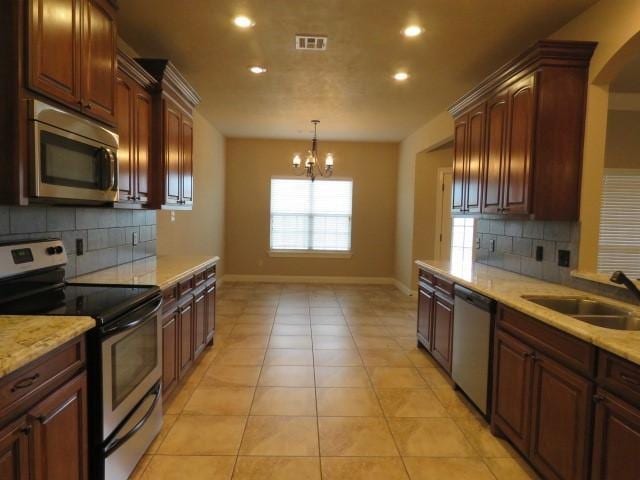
242	21
413	31
329	160
296	160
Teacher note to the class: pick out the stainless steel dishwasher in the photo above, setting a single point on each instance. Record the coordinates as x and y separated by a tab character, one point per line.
472	338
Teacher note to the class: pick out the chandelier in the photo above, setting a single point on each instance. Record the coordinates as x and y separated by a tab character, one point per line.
312	166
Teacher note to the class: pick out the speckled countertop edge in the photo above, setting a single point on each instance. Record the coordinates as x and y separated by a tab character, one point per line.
25	338
508	288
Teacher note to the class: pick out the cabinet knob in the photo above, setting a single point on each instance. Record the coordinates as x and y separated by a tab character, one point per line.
598	398
26	430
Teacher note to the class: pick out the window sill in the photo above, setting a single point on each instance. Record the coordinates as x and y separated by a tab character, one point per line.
308	254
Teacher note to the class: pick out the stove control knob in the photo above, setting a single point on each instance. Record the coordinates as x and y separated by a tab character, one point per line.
51	250
59	250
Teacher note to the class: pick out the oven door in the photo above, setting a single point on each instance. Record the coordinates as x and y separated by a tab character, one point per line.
131	362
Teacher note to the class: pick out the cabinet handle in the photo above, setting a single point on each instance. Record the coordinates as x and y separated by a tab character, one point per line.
598	398
628	379
531	355
26	430
25	382
504	210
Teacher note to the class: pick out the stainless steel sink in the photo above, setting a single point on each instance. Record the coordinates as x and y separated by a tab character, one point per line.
589	310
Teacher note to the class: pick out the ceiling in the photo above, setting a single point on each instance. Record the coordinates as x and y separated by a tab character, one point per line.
350	86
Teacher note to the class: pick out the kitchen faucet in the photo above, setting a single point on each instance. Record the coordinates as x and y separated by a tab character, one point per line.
621	279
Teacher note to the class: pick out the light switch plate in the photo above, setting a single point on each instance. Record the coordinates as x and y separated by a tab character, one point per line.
134	239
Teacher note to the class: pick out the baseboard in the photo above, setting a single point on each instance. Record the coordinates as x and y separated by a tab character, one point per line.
403	288
309	279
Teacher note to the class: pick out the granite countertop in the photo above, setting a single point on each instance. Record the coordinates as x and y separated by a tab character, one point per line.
26	338
162	271
508	288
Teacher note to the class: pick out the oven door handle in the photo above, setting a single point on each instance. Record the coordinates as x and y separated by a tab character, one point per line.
139	318
117	441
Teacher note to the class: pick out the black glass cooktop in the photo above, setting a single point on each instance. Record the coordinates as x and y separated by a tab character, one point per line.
102	302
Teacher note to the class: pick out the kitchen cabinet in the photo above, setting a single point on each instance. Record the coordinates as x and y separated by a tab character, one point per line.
169	352
442	341
200	322
72	54
134	122
40	404
185	332
210	300
425	313
518	136
173	103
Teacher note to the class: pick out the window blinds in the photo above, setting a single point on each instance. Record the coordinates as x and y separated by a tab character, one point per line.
620	223
308	215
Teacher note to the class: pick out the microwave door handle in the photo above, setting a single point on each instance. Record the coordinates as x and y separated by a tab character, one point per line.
139	319
113	168
117	441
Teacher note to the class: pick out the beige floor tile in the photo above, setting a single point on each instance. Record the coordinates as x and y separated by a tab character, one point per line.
447	468
286	376
219	401
293	319
170	467
420	358
328	320
395	377
326	311
138	471
255	319
369	330
454	403
286	401
363	468
384	358
406	342
299	330
342	377
246	341
478	434
355	436
375	342
330	342
510	469
290	341
167	422
410	402
231	376
277	468
289	356
435	377
337	358
242	329
280	436
179	399
430	437
347	402
204	435
331	330
240	356
366	320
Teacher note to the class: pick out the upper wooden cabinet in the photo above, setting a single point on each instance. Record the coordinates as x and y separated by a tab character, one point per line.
518	136
71	54
173	103
134	118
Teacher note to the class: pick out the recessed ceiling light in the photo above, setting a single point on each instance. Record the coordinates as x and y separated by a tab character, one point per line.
257	69
413	31
401	76
242	21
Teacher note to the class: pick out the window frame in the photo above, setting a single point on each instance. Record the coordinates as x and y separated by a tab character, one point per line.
310	253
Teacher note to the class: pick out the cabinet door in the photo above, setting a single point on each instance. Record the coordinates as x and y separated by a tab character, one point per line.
200	321
59	422
169	353
616	440
99	60
185	337
172	151
425	314
210	299
125	92
512	389
459	165
442	331
54	50
186	173
475	160
143	120
14	451
560	427
517	174
497	110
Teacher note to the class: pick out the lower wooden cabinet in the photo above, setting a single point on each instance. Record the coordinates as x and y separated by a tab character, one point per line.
442	342
169	352
616	439
425	314
200	322
210	300
14	451
185	336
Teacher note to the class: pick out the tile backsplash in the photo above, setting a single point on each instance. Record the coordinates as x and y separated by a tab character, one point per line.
107	233
515	243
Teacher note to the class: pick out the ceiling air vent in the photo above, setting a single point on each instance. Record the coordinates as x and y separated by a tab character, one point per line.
311	42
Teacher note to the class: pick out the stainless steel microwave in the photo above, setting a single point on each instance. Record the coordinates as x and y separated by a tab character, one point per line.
72	159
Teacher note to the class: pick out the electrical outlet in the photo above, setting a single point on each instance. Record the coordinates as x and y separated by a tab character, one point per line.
79	246
492	245
564	258
134	238
477	243
539	253
173	216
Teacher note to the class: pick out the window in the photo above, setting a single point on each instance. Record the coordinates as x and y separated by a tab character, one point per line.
462	241
311	216
620	222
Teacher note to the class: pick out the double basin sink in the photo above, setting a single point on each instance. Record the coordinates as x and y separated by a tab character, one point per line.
590	311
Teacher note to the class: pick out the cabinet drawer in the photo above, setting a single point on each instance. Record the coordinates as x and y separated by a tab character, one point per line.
569	350
620	376
444	285
41	376
210	272
185	286
426	277
199	278
169	297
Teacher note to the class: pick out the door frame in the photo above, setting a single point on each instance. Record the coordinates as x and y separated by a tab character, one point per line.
442	171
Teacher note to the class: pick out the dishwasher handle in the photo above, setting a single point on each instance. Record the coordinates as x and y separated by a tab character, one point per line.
474	298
